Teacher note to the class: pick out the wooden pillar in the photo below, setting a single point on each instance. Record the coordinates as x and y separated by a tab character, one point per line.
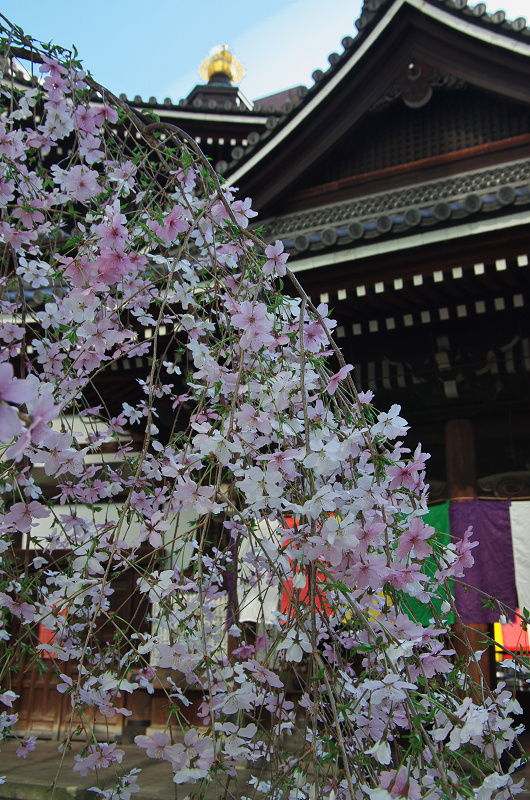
461	484
460	459
476	638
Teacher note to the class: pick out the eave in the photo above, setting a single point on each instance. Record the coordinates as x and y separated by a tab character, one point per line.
487	58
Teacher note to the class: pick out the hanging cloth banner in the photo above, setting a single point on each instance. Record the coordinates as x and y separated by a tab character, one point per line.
493	572
303	593
438	518
520	523
257	597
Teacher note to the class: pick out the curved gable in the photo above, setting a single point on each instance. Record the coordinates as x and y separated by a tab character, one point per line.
408	31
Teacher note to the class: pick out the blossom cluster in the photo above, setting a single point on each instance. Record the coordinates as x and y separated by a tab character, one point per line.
167	413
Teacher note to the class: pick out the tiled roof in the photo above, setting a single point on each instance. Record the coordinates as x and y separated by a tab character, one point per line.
194	106
372	12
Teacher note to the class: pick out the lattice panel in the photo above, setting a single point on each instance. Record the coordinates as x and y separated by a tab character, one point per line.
451	121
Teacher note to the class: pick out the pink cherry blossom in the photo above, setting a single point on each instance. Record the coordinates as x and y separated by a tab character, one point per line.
52	66
400	784
243	212
7	698
23	611
158	746
414	538
262	674
171	226
42	411
26	747
371	572
154	529
101	756
276	259
113	233
81	183
12	390
21	516
464	558
336	379
389	424
255	321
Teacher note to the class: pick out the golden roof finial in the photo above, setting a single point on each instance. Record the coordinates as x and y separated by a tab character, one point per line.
221	61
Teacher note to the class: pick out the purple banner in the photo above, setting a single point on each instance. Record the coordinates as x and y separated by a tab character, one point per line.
493	571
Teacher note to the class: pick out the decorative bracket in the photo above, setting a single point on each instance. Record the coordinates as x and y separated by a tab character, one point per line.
415	86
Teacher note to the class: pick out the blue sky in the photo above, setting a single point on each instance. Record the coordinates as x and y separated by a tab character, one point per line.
155	48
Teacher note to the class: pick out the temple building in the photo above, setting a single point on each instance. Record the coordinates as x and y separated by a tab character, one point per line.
399	182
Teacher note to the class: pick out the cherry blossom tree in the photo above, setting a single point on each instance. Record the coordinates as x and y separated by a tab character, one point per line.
271	516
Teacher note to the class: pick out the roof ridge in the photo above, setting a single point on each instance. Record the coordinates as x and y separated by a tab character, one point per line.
373	10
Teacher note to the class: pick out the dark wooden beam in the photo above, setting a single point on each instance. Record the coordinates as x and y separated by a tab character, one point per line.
328	192
424	260
460	458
